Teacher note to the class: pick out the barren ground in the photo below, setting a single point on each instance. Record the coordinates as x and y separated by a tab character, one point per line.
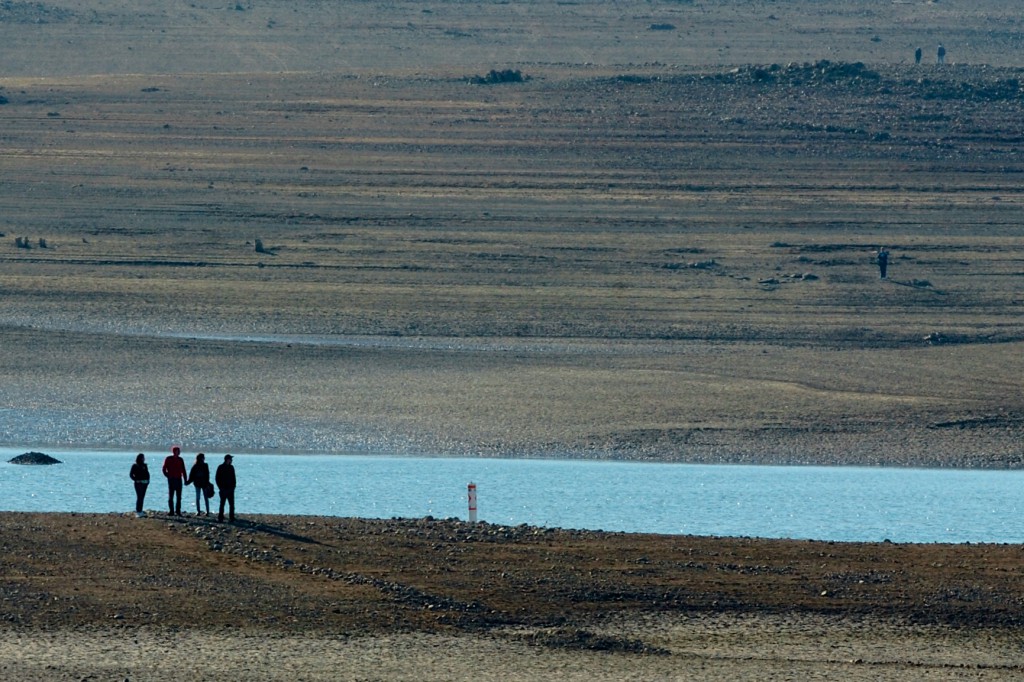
325	598
672	266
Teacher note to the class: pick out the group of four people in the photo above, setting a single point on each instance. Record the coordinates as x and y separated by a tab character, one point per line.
177	478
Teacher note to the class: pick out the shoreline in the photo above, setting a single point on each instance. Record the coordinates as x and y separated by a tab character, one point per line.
966	447
280	598
9	450
426	402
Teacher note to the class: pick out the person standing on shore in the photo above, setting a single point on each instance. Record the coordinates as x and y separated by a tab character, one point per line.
174	470
883	261
917	56
140	475
940	55
199	476
226	487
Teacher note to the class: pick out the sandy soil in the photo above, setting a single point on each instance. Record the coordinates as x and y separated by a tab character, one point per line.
740	648
280	598
572	266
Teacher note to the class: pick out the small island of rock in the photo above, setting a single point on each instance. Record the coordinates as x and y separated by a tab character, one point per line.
34	458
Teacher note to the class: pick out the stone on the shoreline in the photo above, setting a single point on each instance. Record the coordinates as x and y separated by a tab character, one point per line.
34	458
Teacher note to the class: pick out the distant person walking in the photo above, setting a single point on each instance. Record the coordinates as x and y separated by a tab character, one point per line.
917	56
199	476
883	261
174	470
940	56
226	487
140	475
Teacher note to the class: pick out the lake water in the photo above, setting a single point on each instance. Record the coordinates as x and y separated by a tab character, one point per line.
823	503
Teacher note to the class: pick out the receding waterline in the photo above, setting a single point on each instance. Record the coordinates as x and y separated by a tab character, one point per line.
823	503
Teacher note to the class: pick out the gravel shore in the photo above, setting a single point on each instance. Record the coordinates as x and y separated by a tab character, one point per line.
600	399
114	597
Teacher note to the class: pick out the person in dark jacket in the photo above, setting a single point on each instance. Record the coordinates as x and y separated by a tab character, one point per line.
174	470
199	476
140	475
226	487
883	261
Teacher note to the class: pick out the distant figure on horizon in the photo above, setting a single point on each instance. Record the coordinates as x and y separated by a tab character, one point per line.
174	470
226	487
917	56
199	476
941	55
140	475
883	261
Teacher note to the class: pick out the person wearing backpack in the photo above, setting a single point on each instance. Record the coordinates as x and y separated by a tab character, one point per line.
199	476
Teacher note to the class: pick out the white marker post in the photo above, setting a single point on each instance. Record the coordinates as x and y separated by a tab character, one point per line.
472	502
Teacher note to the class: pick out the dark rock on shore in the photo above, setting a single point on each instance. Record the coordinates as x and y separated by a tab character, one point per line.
34	458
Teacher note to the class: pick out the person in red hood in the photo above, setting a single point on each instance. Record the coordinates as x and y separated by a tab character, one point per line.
174	470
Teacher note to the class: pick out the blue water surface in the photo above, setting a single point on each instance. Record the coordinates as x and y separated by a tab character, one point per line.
823	503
